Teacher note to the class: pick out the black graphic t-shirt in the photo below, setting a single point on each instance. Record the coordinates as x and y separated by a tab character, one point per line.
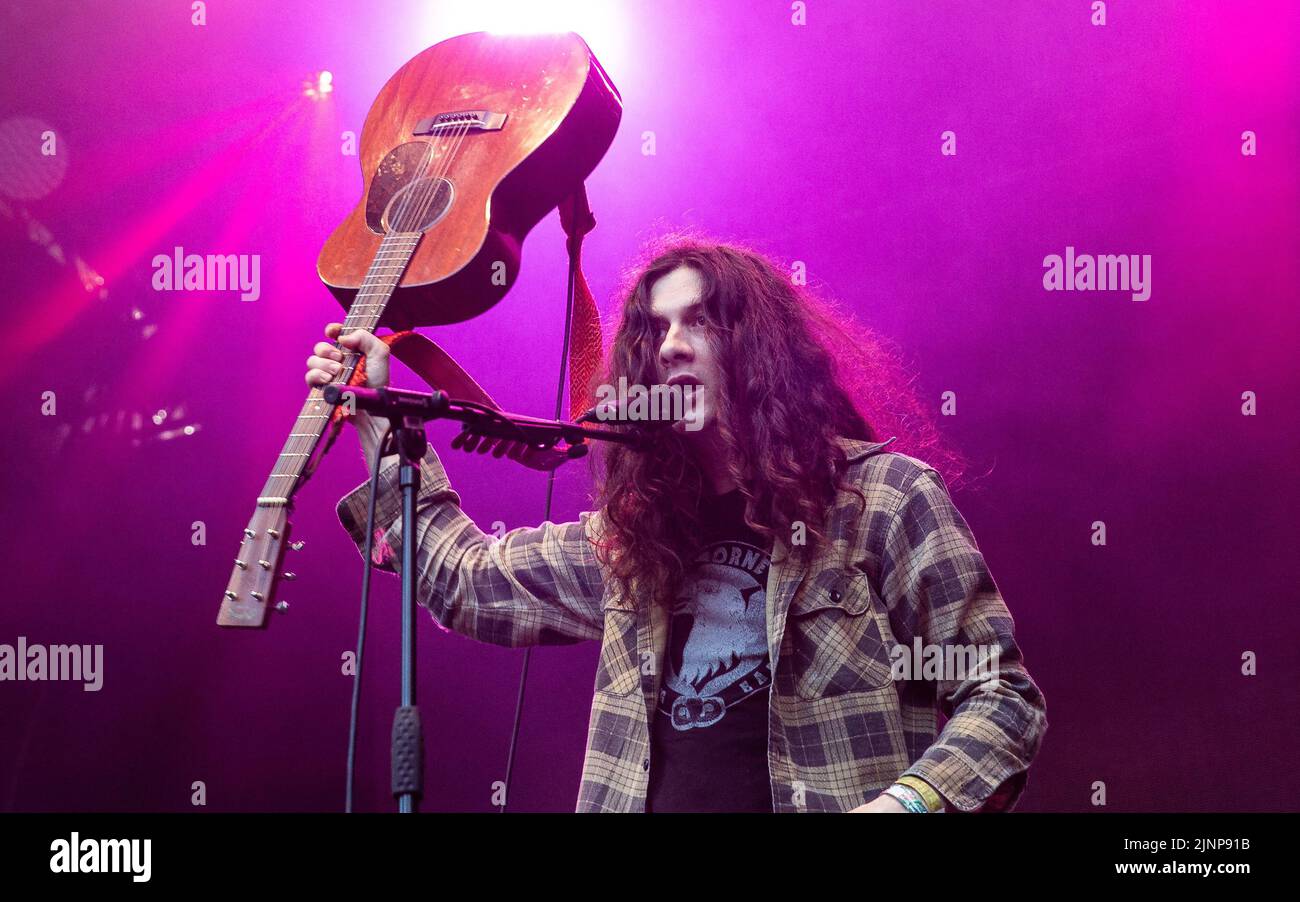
709	736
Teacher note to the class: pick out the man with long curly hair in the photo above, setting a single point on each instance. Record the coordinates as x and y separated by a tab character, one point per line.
786	605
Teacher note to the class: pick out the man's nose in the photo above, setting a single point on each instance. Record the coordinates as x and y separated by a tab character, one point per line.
674	348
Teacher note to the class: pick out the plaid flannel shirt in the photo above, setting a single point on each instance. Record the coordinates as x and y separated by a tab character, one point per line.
841	728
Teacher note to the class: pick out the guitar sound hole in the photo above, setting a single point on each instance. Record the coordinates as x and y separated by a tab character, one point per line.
418	205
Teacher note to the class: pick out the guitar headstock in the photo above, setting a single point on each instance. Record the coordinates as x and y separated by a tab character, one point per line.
256	576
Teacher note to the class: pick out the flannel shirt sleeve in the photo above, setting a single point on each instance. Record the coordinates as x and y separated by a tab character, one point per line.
937	586
533	586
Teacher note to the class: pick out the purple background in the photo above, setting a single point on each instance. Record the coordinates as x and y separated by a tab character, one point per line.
817	143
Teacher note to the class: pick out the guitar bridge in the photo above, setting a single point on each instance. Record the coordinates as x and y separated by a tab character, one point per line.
464	120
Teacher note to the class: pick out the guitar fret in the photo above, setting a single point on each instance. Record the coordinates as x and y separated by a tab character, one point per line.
374	293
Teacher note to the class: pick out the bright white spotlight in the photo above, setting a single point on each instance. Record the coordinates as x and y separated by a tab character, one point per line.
318	85
599	22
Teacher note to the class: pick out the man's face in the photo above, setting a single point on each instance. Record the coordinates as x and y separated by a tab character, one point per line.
684	354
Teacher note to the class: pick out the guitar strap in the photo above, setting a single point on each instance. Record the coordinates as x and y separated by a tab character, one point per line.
585	344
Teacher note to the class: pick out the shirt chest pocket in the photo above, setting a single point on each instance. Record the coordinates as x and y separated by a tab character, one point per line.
618	671
835	642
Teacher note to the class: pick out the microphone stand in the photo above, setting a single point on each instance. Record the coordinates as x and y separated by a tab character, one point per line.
407	412
408	439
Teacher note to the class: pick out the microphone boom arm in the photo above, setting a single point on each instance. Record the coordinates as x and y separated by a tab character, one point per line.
397	405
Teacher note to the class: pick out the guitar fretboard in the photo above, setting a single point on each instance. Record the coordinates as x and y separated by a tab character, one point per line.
367	308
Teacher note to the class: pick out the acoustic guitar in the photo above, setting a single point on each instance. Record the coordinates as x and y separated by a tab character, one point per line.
467	147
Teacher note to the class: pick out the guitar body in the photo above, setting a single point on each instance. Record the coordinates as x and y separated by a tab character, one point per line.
561	113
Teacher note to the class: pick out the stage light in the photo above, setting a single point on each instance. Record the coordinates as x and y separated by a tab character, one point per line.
599	23
319	85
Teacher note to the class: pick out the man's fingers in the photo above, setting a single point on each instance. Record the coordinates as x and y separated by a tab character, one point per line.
326	349
472	442
324	363
365	342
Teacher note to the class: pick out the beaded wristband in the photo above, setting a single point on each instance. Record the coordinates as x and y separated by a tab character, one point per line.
908	797
933	802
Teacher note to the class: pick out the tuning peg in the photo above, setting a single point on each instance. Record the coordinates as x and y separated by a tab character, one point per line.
250	533
297	546
273	533
290	576
240	564
282	607
265	565
231	595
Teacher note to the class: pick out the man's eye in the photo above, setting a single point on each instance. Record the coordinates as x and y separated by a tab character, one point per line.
701	320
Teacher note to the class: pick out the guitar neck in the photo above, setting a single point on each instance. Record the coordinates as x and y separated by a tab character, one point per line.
288	474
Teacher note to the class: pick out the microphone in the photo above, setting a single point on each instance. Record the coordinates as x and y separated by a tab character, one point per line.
649	408
388	402
616	414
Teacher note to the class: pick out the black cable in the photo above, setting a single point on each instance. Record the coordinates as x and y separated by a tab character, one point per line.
550	490
365	609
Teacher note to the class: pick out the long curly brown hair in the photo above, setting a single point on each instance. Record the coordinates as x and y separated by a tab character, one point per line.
796	374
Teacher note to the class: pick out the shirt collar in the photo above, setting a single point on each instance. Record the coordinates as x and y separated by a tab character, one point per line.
856	449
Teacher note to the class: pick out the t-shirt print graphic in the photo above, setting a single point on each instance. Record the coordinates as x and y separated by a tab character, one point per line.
717	649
